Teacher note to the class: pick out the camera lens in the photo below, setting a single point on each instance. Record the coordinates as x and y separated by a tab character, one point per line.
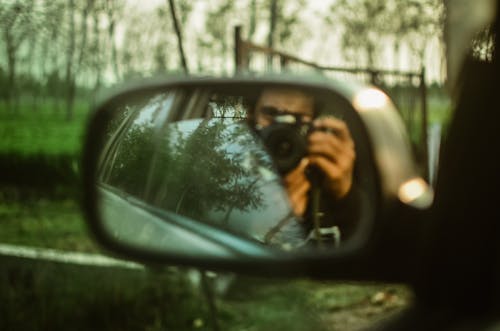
283	149
286	145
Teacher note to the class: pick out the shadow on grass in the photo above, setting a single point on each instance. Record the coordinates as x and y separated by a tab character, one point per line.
48	223
38	295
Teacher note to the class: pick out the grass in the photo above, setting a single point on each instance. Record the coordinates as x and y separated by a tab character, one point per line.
302	304
439	112
44	295
39	295
54	224
44	130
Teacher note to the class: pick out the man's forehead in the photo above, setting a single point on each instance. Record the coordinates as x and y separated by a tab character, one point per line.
289	99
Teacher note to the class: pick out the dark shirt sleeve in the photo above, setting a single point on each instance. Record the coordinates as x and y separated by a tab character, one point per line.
344	213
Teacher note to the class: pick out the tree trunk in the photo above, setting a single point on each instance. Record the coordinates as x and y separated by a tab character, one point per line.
11	73
114	52
55	19
273	13
70	79
97	55
397	57
111	13
34	86
179	36
370	52
252	26
83	32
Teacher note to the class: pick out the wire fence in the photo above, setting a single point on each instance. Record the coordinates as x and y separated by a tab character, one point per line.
407	89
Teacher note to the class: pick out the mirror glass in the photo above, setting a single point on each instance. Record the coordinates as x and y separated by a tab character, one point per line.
196	171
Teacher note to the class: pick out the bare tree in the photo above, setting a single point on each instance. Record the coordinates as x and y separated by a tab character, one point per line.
178	33
16	25
53	42
83	30
114	10
273	16
70	61
97	50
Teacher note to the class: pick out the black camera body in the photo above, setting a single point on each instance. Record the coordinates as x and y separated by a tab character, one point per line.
286	141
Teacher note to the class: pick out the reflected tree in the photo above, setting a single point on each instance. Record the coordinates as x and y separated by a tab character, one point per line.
133	160
196	168
207	174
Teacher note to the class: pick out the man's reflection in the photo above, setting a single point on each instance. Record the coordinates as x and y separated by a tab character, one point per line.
319	182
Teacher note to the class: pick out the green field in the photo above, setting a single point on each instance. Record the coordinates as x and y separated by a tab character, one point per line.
42	131
46	130
47	223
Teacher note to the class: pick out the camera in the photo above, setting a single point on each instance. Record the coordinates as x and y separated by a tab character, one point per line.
286	141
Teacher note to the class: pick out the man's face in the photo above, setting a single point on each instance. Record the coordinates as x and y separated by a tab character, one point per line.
276	102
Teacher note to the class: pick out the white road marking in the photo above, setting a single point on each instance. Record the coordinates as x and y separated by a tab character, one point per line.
53	255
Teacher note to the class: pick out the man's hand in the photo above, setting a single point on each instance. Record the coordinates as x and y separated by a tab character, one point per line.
333	153
331	150
297	187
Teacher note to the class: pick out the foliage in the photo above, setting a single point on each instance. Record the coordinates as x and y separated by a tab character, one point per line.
483	45
191	173
214	44
290	28
48	48
368	26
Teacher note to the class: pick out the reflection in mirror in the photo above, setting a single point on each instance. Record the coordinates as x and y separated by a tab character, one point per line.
277	166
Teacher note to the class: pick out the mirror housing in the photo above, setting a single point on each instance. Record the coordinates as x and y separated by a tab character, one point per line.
383	153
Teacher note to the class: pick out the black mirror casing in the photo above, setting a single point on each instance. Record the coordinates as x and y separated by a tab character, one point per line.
383	251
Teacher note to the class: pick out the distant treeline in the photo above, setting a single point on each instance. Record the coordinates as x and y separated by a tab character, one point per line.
62	48
28	88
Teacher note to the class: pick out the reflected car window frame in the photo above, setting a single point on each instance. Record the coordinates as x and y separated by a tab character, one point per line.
113	148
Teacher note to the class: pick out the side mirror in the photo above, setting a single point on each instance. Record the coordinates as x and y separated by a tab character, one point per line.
196	171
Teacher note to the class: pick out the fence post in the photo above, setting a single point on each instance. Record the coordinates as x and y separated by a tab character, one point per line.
424	137
283	63
238	50
374	77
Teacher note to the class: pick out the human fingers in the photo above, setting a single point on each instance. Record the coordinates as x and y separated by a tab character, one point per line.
297	173
338	177
298	197
330	146
297	186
